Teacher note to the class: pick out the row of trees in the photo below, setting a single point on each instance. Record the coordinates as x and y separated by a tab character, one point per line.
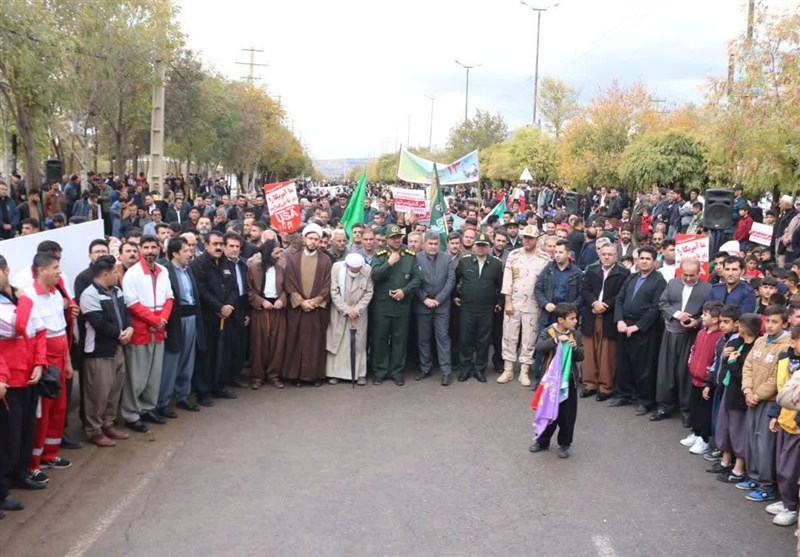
746	131
77	78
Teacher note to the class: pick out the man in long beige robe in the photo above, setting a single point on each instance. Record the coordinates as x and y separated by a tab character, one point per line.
351	292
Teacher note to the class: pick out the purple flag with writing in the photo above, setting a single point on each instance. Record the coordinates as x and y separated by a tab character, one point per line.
547	412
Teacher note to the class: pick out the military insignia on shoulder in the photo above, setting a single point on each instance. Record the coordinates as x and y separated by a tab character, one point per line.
466	255
381	252
410	252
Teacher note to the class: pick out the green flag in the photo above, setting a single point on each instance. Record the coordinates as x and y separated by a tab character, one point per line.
498	210
436	202
354	212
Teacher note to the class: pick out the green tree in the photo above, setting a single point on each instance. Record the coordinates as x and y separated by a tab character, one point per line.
670	159
496	165
558	103
531	149
479	132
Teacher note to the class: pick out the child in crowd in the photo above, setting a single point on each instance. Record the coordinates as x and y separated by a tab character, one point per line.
752	271
783	423
759	387
701	357
646	225
767	288
627	262
731	430
563	330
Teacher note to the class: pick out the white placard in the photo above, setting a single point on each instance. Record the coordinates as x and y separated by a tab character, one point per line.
761	234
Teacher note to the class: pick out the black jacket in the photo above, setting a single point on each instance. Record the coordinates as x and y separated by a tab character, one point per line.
546	344
641	310
102	325
545	286
590	290
174	340
216	283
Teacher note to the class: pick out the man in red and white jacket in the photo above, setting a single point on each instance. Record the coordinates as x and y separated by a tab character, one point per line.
50	305
148	295
22	357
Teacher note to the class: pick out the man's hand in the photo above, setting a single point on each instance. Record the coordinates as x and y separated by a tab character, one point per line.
3	390
226	310
74	311
430	303
397	294
246	320
509	308
706	393
457	301
267	305
682	316
352	314
394	258
599	307
278	304
497	308
6	226
773	425
622	327
36	374
750	399
549	307
68	371
306	305
632	329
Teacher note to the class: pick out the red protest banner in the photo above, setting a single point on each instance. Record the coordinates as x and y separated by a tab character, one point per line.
692	246
283	206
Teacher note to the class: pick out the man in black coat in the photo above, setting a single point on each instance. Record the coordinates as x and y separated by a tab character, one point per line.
185	333
218	295
240	320
599	290
637	317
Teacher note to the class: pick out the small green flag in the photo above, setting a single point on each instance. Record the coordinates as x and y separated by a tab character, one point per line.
354	212
436	202
498	210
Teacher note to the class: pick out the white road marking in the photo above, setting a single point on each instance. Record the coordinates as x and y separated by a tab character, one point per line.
90	537
603	546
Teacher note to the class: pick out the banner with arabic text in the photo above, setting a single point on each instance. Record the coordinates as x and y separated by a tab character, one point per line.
283	206
415	169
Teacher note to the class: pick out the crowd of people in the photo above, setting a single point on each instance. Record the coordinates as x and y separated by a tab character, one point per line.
191	287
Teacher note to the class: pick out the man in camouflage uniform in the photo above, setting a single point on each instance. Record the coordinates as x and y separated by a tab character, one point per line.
396	276
479	277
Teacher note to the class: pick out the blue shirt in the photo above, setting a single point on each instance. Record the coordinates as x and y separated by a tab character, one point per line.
187	296
560	284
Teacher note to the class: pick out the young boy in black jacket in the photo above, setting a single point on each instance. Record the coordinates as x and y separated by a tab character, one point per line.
563	330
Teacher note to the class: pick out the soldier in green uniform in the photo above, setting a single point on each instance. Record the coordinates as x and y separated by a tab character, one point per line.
396	276
479	278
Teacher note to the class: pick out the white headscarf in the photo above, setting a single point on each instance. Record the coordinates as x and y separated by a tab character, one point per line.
352	261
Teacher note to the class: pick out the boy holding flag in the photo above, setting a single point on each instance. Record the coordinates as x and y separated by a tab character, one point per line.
556	399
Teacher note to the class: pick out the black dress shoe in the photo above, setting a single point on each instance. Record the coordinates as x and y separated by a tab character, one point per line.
686	421
602	396
463	376
617	402
660	415
205	400
641	410
239	384
586	393
446	380
188	405
225	393
137	426
422	375
153	418
480	376
11	503
377	381
166	412
399	382
69	443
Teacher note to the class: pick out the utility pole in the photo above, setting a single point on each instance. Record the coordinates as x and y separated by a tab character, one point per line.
155	174
536	70
466	100
751	17
430	130
252	64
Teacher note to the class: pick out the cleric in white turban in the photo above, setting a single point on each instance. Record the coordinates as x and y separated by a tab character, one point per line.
351	292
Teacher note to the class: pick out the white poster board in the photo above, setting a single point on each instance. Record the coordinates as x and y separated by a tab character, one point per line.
761	234
74	241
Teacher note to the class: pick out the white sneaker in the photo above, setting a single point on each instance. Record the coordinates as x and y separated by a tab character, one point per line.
689	441
699	447
775	508
786	518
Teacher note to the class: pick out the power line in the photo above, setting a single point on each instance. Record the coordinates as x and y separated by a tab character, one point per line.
252	64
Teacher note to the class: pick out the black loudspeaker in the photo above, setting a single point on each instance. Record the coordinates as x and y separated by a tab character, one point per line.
718	210
53	171
572	202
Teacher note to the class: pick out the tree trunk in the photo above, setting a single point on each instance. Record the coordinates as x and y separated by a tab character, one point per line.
33	172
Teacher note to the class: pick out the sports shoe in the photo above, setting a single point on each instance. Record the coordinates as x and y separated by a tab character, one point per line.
699	447
563	452
786	518
761	496
536	447
775	508
747	485
38	476
689	441
57	462
730	478
719	468
713	455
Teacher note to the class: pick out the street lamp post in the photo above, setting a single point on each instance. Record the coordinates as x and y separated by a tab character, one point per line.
430	131
466	100
536	70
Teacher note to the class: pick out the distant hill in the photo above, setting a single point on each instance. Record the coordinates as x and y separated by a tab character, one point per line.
333	168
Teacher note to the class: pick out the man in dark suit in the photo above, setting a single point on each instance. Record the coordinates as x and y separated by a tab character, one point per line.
681	306
432	307
185	334
636	314
599	290
240	321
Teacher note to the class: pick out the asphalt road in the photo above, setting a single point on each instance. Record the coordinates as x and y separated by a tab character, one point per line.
382	470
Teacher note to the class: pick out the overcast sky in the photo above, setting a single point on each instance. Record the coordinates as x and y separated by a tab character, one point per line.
352	72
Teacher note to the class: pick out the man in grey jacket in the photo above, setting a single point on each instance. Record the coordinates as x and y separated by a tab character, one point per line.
432	307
